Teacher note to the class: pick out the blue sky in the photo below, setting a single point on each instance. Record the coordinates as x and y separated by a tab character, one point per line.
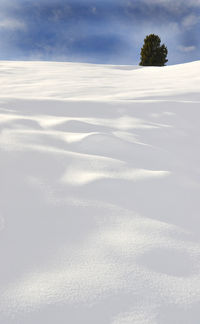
97	31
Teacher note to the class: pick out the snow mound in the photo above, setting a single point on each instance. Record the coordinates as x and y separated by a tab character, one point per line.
100	183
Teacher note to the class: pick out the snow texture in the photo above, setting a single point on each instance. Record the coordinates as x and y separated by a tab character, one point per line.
99	194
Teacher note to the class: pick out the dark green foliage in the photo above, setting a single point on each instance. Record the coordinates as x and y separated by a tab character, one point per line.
152	53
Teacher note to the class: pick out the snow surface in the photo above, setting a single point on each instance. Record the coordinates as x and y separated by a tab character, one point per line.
99	194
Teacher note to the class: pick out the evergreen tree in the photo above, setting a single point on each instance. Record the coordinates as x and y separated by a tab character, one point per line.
152	53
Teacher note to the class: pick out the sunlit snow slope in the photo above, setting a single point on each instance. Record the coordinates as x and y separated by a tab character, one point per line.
99	194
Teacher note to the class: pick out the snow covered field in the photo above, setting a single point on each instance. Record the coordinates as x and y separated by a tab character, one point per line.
99	194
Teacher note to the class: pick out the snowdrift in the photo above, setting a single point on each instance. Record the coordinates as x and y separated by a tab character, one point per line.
99	193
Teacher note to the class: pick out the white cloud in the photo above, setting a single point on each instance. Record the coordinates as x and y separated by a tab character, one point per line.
94	10
187	49
11	24
175	2
190	21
